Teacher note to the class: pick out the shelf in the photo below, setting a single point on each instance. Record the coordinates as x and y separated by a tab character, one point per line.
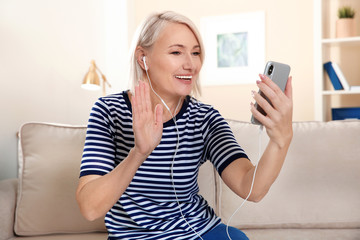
353	41
343	50
341	92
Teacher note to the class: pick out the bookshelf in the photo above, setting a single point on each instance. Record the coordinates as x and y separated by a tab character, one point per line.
341	92
344	51
351	41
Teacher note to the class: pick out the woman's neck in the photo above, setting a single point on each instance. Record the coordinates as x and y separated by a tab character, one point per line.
171	107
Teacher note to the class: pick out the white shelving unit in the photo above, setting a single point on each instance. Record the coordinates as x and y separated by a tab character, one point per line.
355	41
324	43
340	92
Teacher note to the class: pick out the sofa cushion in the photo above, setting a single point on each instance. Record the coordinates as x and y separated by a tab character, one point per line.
85	236
7	207
301	234
318	186
49	161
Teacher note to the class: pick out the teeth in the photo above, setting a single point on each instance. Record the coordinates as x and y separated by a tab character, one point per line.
184	77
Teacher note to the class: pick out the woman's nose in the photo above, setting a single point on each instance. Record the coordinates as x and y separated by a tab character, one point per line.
189	62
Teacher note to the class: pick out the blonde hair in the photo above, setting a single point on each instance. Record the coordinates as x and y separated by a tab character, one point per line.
147	35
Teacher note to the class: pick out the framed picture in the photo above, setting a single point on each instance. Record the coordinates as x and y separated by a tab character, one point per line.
234	48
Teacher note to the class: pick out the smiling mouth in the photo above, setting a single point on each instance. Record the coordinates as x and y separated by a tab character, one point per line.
184	77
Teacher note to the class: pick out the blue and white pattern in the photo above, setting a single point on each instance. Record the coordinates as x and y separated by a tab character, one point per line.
148	208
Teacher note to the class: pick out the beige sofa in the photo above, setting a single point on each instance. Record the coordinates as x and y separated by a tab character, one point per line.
316	196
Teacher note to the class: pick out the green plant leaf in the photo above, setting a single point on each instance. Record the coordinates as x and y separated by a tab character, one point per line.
346	12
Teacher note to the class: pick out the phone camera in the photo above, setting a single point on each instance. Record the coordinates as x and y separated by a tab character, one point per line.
271	68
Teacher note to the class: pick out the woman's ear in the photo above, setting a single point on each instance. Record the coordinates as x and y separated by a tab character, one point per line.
140	57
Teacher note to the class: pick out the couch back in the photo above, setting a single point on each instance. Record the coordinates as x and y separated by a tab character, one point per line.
318	186
49	165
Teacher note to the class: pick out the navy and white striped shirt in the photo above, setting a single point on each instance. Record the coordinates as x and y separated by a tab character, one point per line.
148	208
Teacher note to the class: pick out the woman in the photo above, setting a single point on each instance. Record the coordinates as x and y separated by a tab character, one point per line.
144	148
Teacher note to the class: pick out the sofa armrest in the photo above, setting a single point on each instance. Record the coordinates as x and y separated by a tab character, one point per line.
8	191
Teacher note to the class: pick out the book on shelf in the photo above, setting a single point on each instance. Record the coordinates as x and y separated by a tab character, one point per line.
334	78
337	77
345	113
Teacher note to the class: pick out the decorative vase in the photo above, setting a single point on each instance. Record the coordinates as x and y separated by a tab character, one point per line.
345	27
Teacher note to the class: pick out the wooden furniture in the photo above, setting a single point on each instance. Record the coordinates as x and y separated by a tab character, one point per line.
344	51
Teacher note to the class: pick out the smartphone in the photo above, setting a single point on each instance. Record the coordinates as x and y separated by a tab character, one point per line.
279	74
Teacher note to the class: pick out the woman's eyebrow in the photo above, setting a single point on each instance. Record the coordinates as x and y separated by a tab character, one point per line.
177	45
182	46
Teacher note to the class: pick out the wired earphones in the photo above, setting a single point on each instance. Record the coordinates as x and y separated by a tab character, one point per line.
176	150
177	145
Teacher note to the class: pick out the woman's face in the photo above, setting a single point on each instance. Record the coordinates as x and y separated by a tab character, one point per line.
174	61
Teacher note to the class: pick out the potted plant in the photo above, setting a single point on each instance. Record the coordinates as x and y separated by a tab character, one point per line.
345	25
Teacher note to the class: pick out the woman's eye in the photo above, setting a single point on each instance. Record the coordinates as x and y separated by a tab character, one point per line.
196	53
175	52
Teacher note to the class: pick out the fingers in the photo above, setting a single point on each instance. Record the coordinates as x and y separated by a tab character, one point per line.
134	105
261	101
158	115
147	96
147	123
141	100
143	97
281	102
141	104
259	116
271	87
268	94
271	90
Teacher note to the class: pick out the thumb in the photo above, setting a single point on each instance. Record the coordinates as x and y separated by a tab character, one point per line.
288	88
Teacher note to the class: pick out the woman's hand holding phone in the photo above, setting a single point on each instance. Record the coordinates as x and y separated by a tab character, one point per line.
278	118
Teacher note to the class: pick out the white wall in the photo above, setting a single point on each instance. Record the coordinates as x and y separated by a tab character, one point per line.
45	50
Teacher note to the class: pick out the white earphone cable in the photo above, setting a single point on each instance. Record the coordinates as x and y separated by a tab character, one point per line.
176	149
173	161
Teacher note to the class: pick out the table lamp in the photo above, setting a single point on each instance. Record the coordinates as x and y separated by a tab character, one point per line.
91	80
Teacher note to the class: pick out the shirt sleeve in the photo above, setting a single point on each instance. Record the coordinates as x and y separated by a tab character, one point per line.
221	147
99	149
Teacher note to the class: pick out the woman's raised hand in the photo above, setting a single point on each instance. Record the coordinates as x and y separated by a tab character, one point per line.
147	123
278	121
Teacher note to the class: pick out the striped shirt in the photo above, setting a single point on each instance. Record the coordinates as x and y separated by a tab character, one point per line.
148	209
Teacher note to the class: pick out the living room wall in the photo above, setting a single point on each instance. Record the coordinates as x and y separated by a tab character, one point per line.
45	51
46	48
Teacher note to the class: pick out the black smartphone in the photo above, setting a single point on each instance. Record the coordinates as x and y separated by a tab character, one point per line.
279	74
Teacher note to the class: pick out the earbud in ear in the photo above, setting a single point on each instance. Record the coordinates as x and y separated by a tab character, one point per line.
146	68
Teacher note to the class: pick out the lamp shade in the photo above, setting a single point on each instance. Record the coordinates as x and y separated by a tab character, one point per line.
91	80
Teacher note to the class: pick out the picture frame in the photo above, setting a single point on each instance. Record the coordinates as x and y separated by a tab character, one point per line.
234	48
